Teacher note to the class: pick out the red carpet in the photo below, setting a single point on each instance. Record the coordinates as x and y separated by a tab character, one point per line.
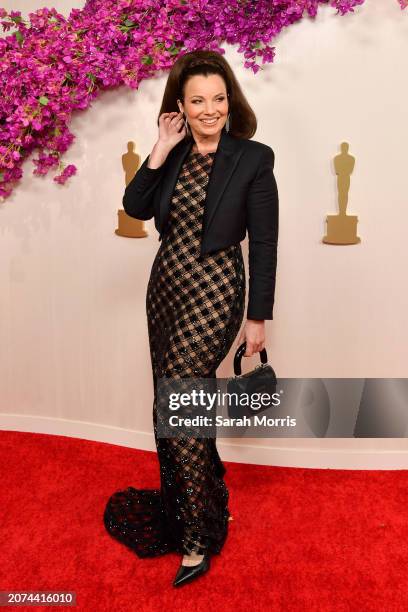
301	539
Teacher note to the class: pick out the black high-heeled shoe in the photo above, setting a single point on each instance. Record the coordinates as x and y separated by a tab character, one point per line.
187	573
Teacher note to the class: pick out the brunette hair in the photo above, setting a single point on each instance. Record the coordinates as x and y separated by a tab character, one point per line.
243	121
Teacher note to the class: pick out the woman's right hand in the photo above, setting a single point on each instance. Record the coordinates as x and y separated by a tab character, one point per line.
171	129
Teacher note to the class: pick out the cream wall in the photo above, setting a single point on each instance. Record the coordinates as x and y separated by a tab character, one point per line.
74	354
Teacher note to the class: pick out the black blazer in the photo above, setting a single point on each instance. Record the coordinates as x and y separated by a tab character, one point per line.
241	195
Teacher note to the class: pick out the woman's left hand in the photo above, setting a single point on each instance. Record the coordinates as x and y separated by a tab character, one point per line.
254	336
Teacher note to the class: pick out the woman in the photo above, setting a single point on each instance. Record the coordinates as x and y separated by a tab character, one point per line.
205	183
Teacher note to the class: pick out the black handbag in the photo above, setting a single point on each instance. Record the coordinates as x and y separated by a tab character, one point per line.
262	379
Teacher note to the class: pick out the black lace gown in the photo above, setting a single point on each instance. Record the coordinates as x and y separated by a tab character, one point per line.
195	309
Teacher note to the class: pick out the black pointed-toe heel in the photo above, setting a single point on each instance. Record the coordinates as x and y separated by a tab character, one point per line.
187	573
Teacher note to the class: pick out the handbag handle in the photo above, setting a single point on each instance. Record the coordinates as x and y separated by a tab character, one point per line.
239	353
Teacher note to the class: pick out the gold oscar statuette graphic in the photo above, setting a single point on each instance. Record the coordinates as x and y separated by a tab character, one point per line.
129	226
342	228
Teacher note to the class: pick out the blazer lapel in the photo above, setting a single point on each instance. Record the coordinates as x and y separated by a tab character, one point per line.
225	160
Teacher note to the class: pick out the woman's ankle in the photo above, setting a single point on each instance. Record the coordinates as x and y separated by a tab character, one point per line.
194	558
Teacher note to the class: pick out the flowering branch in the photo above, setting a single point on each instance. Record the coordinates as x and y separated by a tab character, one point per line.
51	66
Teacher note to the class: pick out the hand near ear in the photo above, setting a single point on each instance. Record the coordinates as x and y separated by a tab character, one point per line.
171	129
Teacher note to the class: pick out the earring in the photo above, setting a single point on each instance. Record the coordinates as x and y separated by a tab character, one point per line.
227	123
186	124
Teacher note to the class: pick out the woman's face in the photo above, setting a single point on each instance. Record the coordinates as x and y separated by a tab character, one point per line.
205	104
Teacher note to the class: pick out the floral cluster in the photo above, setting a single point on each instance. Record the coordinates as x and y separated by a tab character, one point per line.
51	65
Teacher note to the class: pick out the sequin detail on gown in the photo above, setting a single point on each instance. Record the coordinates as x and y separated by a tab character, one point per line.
195	309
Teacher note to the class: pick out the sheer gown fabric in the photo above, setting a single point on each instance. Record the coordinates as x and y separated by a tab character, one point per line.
195	309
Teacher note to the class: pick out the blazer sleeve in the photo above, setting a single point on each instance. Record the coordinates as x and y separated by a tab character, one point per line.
263	226
138	197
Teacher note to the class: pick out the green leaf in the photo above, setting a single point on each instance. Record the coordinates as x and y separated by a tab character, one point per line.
147	59
173	50
19	36
43	100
